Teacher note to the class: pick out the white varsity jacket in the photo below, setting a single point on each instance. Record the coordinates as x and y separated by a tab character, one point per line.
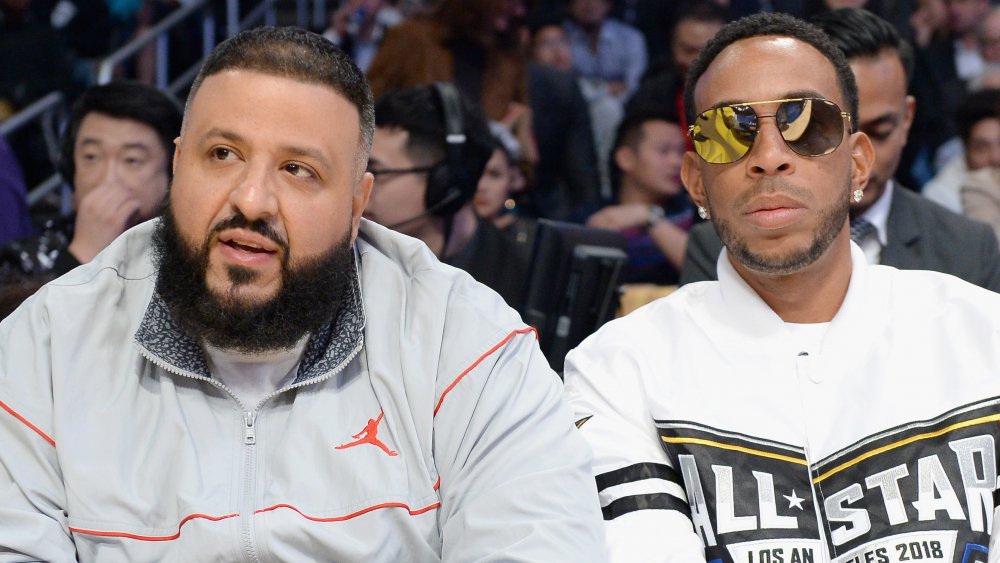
717	439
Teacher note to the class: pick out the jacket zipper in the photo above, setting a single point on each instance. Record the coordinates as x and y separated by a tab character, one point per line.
249	440
250	433
250	457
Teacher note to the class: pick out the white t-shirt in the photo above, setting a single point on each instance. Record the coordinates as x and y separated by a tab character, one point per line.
251	377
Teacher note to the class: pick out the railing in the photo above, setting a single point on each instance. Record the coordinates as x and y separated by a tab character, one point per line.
160	34
263	13
49	112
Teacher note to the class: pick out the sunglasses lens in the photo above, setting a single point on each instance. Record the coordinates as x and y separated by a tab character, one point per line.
724	134
810	127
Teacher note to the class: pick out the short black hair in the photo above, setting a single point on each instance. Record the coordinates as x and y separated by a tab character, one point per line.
297	54
975	107
781	25
123	99
862	34
418	110
630	132
641	108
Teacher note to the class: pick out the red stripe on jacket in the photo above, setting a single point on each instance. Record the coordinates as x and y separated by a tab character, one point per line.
480	360
187	519
28	424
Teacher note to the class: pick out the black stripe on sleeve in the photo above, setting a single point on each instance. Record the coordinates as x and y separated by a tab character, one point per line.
638	472
652	501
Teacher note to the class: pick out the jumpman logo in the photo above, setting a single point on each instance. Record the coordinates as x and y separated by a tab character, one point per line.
368	436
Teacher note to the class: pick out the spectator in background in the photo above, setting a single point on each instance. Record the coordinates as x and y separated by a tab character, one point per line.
606	51
695	26
937	89
980	196
473	43
964	17
988	36
117	156
978	122
496	196
652	209
358	26
430	147
550	49
34	58
893	225
15	222
566	177
697	22
650	17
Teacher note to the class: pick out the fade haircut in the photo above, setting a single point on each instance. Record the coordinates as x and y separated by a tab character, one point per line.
631	131
779	25
294	53
862	34
418	111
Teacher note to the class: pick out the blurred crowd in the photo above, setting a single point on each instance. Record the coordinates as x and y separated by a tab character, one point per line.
583	102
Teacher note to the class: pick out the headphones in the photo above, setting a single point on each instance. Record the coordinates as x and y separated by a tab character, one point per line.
448	184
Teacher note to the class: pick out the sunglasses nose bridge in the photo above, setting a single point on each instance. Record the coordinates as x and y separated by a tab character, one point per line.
762	116
770	152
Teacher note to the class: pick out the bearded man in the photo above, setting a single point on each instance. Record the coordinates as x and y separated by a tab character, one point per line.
264	375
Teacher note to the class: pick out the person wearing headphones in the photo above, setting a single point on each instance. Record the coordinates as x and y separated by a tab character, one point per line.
116	156
430	148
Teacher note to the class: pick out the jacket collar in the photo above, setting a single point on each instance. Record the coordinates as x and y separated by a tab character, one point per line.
335	343
747	322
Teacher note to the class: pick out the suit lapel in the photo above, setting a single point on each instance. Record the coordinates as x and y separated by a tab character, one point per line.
903	232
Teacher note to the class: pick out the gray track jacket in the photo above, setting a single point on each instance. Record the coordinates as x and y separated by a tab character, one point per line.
423	425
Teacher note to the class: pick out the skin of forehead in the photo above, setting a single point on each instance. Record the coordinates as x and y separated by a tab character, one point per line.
774	45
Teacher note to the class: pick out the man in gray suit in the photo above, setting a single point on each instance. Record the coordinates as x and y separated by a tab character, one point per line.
893	225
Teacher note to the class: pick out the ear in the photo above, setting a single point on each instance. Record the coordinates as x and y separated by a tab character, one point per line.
692	179
863	156
177	153
624	158
359	200
911	110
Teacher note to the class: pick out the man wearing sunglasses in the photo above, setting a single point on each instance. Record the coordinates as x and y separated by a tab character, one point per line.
807	406
893	225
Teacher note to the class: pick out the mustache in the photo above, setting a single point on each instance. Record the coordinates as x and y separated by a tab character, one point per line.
767	186
239	221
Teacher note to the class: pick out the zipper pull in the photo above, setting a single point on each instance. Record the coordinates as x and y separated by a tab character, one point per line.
249	437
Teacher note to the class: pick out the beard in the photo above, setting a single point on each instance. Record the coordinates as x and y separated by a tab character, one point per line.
831	222
310	295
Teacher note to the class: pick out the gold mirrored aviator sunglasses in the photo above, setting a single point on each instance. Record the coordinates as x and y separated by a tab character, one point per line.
809	126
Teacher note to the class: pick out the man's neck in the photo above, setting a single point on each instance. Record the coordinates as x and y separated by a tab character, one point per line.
463	228
632	193
811	295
